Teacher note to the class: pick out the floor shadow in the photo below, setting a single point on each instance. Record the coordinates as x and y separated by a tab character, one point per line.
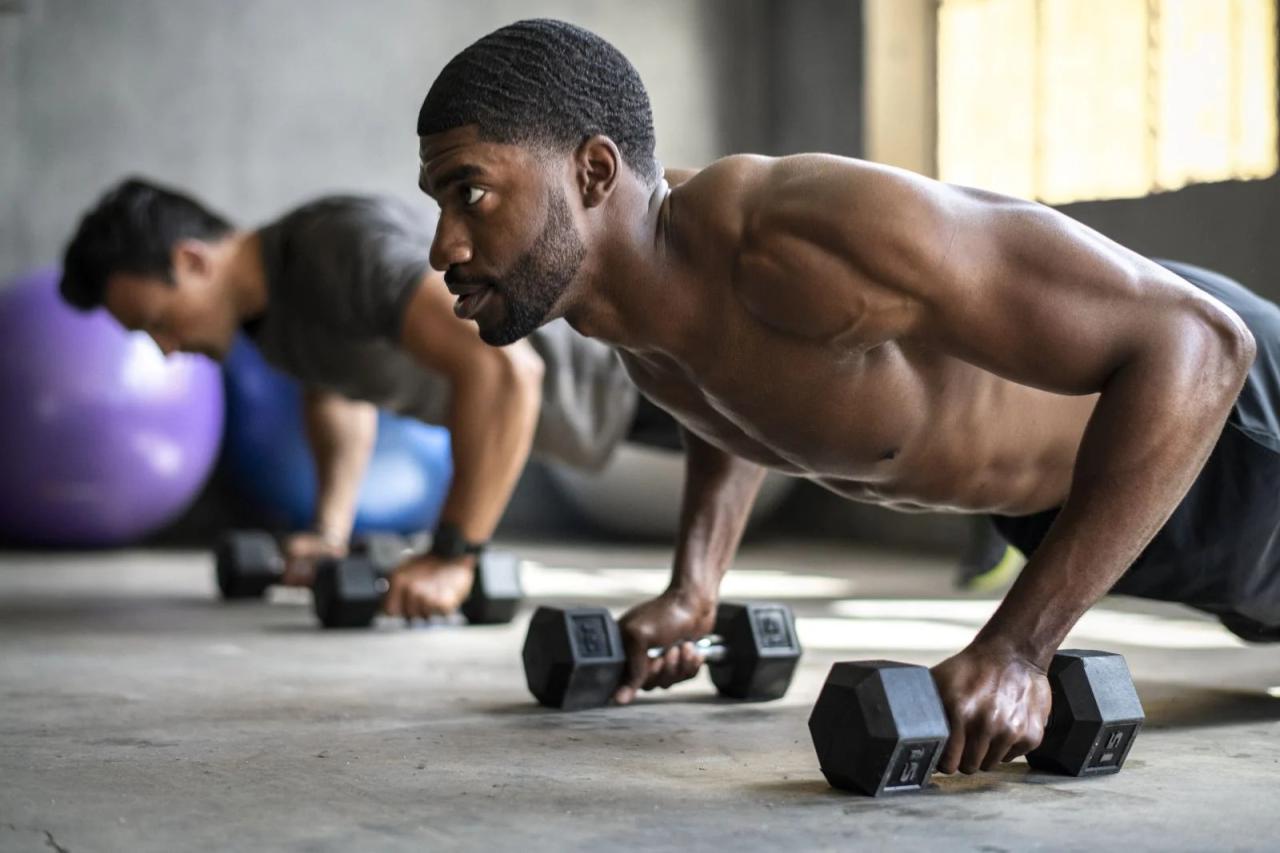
815	790
1180	706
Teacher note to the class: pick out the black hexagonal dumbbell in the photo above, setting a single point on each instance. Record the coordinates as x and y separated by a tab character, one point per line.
879	726
1095	717
348	592
574	659
250	561
247	562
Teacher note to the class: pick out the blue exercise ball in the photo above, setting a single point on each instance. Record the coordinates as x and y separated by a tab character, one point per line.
269	459
103	439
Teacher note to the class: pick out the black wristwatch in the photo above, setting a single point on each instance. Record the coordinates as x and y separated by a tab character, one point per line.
449	542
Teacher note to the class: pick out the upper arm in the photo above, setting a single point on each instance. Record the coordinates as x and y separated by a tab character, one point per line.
439	341
1011	286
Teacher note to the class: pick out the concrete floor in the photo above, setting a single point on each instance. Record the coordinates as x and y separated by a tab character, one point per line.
139	713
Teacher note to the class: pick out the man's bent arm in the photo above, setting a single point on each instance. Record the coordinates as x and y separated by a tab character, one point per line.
1092	316
719	490
1153	428
341	433
495	395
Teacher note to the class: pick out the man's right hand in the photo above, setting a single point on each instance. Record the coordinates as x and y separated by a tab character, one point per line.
672	622
301	551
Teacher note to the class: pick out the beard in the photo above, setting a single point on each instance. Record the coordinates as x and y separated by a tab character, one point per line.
536	281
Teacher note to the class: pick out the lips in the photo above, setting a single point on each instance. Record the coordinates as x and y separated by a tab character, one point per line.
471	298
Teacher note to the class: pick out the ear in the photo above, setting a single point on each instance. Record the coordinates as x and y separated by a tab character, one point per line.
597	164
190	257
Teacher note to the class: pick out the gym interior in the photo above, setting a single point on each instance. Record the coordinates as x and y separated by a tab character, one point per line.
153	699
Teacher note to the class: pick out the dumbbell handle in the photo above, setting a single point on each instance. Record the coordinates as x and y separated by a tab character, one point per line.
711	646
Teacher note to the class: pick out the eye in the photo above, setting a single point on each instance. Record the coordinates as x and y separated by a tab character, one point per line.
472	195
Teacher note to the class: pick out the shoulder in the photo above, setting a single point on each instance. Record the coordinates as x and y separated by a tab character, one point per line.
829	246
721	186
817	198
825	194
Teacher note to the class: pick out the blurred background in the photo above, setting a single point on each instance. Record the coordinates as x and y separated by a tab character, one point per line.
1153	121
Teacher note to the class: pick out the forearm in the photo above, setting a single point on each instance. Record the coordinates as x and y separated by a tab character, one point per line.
492	416
1151	432
341	433
719	491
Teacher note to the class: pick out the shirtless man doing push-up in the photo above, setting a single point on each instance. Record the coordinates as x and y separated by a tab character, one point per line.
898	340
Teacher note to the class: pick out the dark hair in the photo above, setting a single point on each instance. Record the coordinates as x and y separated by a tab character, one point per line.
132	229
545	81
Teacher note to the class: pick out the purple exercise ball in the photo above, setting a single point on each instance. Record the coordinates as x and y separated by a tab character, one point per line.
102	439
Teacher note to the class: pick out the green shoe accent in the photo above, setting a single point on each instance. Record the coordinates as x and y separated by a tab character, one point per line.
1003	572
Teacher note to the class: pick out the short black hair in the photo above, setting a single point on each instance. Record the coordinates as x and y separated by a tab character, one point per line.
545	81
132	229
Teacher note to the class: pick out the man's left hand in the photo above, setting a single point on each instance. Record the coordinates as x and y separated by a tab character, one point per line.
997	703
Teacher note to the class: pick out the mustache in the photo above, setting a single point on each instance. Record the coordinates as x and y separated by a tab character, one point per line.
454	278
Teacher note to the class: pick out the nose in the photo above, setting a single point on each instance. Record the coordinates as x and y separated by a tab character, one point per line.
451	245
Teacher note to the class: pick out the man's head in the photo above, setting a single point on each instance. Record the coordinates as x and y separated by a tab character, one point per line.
523	132
151	256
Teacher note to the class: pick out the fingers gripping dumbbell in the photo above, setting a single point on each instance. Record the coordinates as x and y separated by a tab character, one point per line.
348	593
574	658
879	726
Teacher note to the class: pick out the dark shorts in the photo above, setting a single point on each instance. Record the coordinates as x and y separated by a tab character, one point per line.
1220	550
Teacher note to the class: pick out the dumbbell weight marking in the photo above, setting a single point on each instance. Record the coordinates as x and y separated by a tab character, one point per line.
879	726
1095	716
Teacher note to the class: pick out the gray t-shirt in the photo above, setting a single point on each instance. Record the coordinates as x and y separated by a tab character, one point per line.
341	271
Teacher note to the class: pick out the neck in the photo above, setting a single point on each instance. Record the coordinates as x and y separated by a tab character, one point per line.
244	278
627	293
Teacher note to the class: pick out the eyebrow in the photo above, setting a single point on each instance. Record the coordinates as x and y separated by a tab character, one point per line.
458	173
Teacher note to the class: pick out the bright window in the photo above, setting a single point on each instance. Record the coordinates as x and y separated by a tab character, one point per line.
1063	100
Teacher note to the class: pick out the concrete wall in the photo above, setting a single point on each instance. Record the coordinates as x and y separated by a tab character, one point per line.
788	74
1232	227
258	104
